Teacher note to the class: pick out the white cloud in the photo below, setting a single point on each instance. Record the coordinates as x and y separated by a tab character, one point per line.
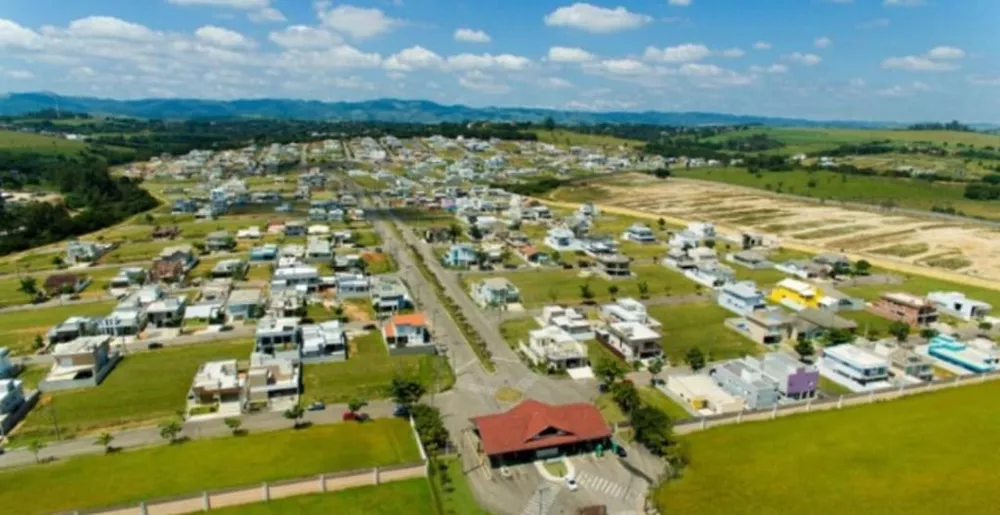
18	74
903	3
598	20
486	61
479	81
685	53
340	56
762	45
894	91
15	36
774	68
984	80
233	4
556	83
223	37
948	53
920	86
109	27
733	53
561	54
679	3
710	75
805	59
358	22
916	63
823	42
413	58
302	36
471	36
267	14
621	67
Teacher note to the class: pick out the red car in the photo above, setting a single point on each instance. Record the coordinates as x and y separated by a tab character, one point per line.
358	417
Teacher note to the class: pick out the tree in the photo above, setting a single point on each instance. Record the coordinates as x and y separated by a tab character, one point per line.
549	124
58	262
475	232
626	395
505	255
839	336
454	231
901	330
430	427
553	295
643	289
662	223
862	267
655	368
234	424
104	440
695	359
586	293
356	404
804	348
199	247
652	428
29	286
295	413
38	343
928	333
840	268
609	370
985	326
170	430
613	290
36	446
406	391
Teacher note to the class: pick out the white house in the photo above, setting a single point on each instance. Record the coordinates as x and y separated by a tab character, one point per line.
855	367
639	233
352	286
958	305
562	239
569	320
555	349
295	277
628	310
11	396
741	298
324	342
631	340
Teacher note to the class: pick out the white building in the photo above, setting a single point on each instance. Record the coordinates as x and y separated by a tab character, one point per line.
324	342
639	233
958	305
555	349
569	320
628	310
562	239
702	394
631	340
855	367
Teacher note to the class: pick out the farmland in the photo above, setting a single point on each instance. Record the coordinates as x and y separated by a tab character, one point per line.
898	464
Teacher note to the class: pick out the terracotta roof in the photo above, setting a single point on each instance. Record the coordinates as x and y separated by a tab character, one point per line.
415	319
57	281
519	428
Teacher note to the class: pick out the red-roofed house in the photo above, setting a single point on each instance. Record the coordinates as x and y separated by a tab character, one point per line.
403	330
535	430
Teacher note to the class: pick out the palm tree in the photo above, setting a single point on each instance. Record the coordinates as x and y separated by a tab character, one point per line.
643	289
36	446
104	440
585	292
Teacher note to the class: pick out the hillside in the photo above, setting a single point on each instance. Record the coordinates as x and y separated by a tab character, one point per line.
24	142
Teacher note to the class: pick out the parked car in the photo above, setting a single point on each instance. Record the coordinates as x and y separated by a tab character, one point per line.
620	451
357	417
317	406
154	345
401	411
571	483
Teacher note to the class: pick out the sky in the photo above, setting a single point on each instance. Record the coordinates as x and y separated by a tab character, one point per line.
887	60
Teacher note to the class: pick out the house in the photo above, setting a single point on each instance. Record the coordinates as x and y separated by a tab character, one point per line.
389	295
741	298
266	252
750	259
795	295
83	252
301	277
554	349
219	241
631	340
710	274
324	342
533	256
534	430
165	232
275	335
271	378
562	240
406	330
907	361
747	381
811	323
217	384
244	304
628	310
57	284
958	305
977	356
73	328
614	266
128	277
11	398
352	286
461	256
318	230
702	394
287	303
168	312
794	379
347	262
167	272
123	322
495	292
229	268
639	233
318	250
838	301
295	228
183	255
856	364
569	320
769	326
87	358
903	307
695	235
802	269
7	367
250	233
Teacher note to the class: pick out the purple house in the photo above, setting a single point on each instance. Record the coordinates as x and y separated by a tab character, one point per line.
795	380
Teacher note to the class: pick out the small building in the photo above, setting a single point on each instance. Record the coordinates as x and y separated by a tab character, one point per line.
461	256
7	367
569	320
229	268
73	328
631	340
389	295
958	305
562	240
811	323
770	326
324	342
977	356
702	394
904	360
83	252
855	363
266	252
295	228
795	295
123	322
554	349
184	255
271	378
795	380
614	266
639	233
628	310
276	335
11	398
534	430
217	384
403	331
750	259
219	241
167	312
352	286
746	381
495	291
301	277
741	298
128	277
903	307
82	362
245	304
57	284
318	250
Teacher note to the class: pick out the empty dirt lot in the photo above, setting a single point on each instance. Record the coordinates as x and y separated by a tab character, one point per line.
967	248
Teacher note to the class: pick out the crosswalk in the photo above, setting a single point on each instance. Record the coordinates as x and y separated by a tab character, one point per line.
607	487
541	502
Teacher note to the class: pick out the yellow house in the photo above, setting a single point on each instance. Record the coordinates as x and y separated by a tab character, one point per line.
795	294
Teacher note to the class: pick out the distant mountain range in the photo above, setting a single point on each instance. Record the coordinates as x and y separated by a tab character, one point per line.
387	110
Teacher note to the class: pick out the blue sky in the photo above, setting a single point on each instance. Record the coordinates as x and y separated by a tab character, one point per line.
902	60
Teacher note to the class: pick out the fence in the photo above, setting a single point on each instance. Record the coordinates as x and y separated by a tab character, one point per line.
238	496
844	401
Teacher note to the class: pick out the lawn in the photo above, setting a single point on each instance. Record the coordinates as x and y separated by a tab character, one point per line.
25	142
650	396
517	329
154	472
700	325
145	388
408	496
368	371
570	138
920	285
894	458
19	328
455	494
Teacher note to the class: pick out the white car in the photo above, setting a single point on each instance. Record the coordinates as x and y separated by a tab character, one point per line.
571	483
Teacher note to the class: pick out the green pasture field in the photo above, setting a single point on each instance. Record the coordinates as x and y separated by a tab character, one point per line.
19	328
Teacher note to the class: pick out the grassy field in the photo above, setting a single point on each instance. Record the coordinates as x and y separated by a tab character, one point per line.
911	193
144	388
409	496
456	496
569	138
920	285
900	457
24	142
649	395
368	372
807	140
701	326
19	328
153	472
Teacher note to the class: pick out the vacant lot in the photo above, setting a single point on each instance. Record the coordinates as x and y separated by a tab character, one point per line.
144	388
699	326
24	142
205	464
18	329
887	458
568	138
368	371
409	496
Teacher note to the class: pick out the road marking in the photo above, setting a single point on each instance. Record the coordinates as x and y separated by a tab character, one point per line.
607	487
541	502
467	365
